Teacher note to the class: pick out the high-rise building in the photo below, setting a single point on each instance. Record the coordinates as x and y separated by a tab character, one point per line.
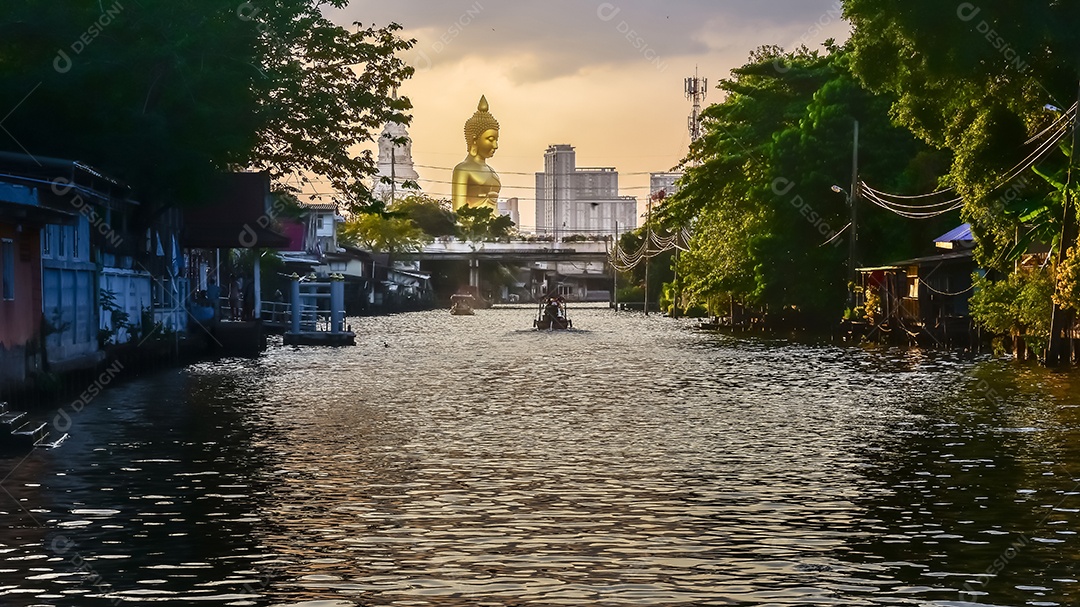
509	206
663	182
572	200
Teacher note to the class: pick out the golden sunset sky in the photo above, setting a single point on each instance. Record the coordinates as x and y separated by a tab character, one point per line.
605	77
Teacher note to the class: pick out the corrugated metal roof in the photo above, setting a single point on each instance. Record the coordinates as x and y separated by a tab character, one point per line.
944	257
960	233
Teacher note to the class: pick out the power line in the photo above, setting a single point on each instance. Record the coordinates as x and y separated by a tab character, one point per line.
585	169
1057	130
443	195
863	187
870	195
933	290
651	246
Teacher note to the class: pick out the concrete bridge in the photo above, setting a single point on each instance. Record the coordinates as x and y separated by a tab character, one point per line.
594	253
452	249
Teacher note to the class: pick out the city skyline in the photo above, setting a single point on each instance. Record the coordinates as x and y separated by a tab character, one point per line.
606	78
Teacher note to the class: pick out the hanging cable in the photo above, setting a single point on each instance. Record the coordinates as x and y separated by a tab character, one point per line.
930	195
1071	112
1060	128
933	290
651	246
873	198
835	236
883	196
930	210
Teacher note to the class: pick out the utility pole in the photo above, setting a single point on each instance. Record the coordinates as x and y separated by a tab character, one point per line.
554	200
1061	319
393	171
675	284
614	270
648	242
853	198
554	216
393	162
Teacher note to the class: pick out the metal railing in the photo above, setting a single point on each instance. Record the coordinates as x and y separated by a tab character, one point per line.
280	313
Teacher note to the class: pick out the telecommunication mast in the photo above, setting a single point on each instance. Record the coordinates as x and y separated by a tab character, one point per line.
696	90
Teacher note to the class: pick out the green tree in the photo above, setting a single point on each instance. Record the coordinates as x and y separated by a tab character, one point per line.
382	234
767	229
432	216
165	94
984	81
1015	306
975	80
481	223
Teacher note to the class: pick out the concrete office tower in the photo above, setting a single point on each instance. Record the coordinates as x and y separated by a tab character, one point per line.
663	182
509	206
572	200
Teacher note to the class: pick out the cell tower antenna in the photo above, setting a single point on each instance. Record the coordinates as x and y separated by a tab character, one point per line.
696	89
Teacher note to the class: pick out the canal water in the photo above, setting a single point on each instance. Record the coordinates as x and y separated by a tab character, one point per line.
452	461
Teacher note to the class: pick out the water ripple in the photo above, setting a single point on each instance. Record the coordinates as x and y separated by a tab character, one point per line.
635	461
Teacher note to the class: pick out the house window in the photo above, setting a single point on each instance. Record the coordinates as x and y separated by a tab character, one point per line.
46	240
913	281
7	263
61	239
75	242
320	222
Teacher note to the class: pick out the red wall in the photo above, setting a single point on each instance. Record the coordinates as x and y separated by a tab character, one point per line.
295	231
20	319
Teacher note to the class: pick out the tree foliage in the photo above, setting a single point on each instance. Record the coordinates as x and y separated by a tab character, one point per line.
1017	305
986	80
481	223
977	79
382	234
757	188
165	94
432	216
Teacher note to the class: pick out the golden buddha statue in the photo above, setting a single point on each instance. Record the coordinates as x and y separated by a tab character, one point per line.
475	184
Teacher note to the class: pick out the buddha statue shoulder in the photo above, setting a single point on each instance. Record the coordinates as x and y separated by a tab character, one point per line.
476	184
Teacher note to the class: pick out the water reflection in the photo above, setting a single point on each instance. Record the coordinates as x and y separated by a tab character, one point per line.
471	461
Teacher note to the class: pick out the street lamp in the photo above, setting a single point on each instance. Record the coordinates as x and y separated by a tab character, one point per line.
851	248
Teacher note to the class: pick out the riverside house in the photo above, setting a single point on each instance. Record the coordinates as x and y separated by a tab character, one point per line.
924	299
88	269
22	218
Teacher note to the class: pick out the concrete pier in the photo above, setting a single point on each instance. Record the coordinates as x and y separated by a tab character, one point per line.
306	295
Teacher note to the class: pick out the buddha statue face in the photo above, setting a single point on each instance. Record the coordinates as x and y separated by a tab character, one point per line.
482	132
486	144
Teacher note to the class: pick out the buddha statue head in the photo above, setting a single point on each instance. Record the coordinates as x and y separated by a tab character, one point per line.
482	131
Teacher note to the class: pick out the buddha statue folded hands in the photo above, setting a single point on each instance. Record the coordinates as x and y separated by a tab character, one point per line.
475	184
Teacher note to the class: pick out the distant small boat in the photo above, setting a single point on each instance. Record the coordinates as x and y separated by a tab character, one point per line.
461	304
552	315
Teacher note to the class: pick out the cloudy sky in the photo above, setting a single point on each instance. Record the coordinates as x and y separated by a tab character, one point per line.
605	77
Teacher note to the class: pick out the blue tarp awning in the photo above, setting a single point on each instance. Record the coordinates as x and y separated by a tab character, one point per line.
957	235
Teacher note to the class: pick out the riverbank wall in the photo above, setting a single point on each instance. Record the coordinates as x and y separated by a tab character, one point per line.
47	386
